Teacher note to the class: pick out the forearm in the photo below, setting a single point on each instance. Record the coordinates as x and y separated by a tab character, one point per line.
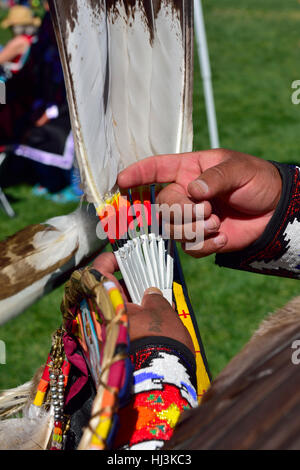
277	251
13	48
7	55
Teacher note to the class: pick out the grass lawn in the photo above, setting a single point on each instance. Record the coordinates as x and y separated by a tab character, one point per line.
255	57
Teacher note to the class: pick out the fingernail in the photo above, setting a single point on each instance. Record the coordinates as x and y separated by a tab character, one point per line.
198	211
202	185
153	290
220	240
210	225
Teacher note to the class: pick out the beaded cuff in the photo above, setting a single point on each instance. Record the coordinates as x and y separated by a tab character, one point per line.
164	385
277	251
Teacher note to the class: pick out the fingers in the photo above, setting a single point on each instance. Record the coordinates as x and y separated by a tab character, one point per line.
175	205
182	219
157	169
211	245
106	264
221	170
154	300
221	179
191	231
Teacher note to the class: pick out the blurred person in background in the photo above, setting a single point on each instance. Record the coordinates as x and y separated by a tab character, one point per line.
7	3
47	144
16	69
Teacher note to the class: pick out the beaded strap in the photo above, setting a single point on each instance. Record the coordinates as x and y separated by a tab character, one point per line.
94	319
51	390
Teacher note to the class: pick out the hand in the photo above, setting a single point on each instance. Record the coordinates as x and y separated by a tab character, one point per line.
239	193
155	317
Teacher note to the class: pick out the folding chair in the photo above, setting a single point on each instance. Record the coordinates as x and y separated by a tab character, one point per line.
3	199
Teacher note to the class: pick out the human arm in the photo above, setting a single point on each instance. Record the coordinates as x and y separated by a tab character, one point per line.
254	203
277	250
239	193
162	355
16	46
248	198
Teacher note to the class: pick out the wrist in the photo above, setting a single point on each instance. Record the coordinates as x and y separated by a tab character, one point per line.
278	179
164	385
275	252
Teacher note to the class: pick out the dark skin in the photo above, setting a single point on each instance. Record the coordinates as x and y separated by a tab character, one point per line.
239	194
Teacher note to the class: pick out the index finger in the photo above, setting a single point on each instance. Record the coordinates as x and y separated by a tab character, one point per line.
106	263
156	169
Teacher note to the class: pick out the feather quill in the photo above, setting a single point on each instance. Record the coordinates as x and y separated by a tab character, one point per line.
14	400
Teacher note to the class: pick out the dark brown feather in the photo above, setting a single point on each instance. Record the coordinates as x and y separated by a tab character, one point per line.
15	272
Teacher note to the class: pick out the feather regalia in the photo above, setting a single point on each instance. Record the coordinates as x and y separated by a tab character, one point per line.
128	70
128	67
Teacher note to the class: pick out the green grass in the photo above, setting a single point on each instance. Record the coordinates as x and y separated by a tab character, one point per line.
255	56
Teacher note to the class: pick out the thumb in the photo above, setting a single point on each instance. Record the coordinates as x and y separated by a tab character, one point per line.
154	300
165	320
219	179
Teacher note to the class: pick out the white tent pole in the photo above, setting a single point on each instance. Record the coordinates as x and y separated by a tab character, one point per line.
206	73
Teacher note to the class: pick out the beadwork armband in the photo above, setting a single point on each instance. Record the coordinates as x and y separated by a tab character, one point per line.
276	252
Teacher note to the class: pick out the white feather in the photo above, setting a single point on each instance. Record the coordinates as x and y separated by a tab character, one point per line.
26	433
33	429
128	67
